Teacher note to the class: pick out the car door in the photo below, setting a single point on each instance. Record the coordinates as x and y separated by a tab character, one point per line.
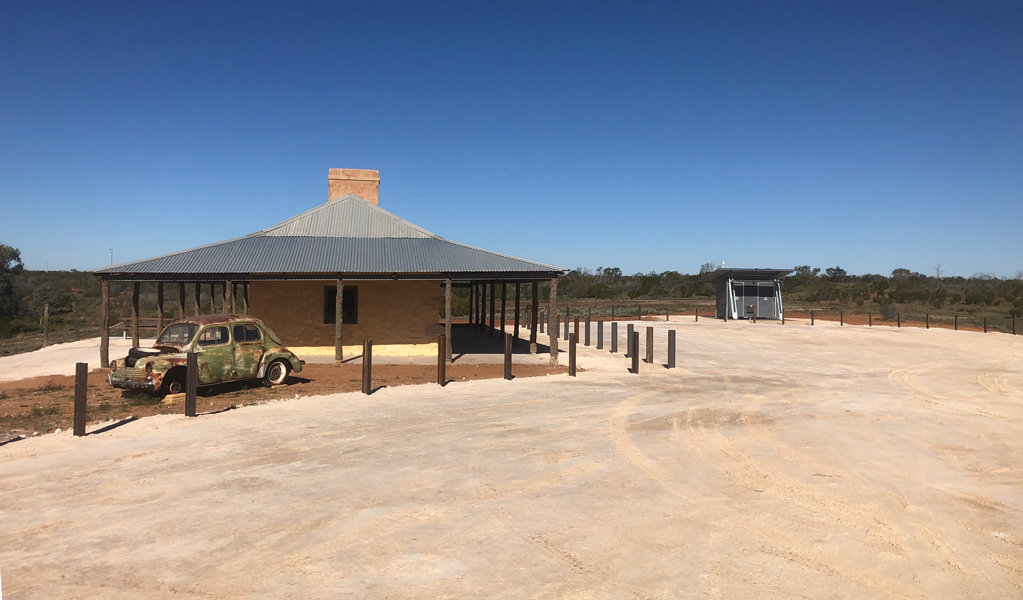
216	356
249	347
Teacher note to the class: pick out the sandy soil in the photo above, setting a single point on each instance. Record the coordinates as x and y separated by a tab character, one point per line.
775	462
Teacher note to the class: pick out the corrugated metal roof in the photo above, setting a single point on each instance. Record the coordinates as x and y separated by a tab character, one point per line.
348	235
734	273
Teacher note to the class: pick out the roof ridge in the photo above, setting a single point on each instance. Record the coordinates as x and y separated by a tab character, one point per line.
350	201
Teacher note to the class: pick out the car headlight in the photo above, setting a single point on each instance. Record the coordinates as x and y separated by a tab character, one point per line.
113	364
149	367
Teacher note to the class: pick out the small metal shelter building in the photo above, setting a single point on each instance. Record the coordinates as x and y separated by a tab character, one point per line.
745	293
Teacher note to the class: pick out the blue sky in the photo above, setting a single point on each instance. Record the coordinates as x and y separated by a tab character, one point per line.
895	137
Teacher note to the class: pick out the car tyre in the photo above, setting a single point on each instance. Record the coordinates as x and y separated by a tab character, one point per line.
276	373
174	384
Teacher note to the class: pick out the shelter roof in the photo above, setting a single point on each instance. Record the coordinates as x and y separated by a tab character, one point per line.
752	274
347	236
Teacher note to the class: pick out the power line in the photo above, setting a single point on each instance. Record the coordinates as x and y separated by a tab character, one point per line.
692	132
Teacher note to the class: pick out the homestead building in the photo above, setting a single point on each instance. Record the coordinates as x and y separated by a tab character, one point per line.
338	274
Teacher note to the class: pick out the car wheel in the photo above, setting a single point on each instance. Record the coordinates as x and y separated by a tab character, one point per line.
276	373
174	384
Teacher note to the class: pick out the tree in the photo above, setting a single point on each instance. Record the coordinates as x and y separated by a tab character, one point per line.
708	268
10	265
836	273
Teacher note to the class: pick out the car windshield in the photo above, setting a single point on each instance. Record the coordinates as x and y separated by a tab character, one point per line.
177	334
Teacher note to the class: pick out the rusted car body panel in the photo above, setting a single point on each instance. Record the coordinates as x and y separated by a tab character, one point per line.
228	348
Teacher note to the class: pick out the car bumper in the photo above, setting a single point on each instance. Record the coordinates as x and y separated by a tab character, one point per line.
130	382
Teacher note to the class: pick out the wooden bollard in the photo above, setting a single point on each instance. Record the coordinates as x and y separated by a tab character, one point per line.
870	320
985	324
841	318
571	355
191	383
783	317
927	321
586	332
639	312
81	396
508	356
555	325
543	317
1014	326
612	313
696	315
667	316
442	362
955	322
614	337
649	345
600	335
630	328
367	366
567	323
898	319
671	348
811	317
634	351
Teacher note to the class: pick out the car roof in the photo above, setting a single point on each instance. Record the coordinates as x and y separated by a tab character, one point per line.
218	319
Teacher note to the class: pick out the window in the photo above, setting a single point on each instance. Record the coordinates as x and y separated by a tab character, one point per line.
213	336
247	333
349	305
177	334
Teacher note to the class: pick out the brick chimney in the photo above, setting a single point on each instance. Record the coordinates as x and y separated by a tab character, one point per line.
365	183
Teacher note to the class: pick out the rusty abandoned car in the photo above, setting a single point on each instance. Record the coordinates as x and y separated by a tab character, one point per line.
227	347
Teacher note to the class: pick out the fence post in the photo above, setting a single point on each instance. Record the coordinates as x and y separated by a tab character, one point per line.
600	335
367	366
586	334
927	320
81	395
74	315
841	318
671	348
614	337
568	318
696	315
667	316
575	327
630	328
612	313
571	355
46	324
985	324
870	320
955	322
507	356
898	319
649	345
639	312
1014	326
811	317
191	383
442	362
634	352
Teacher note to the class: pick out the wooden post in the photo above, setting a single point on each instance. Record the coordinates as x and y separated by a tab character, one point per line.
367	366
612	313
614	337
696	315
159	308
442	360
46	324
575	327
600	334
213	298
554	332
985	324
229	297
507	355
630	329
74	315
650	345
135	315
197	293
81	395
518	313
535	300
667	316
339	295
586	333
504	300
841	318
191	383
956	322
1014	326
927	320
898	319
671	348
571	355
104	331
245	298
447	317
634	352
811	316
493	309
639	312
870	319
181	300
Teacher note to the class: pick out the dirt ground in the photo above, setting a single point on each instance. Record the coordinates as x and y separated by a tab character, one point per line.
43	404
774	462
